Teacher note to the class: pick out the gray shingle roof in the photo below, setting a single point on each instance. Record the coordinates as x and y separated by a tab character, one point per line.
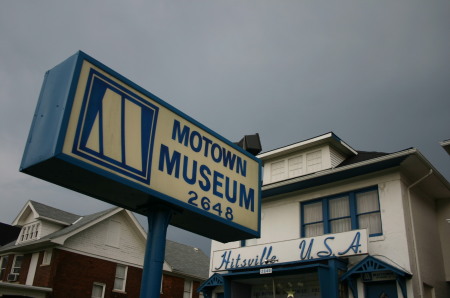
53	213
187	259
83	221
362	156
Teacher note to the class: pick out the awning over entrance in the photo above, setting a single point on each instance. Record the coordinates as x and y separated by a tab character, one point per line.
214	281
371	268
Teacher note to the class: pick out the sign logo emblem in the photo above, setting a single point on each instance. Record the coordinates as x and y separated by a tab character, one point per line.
116	128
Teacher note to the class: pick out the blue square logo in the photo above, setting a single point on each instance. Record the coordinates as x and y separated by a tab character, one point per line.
116	128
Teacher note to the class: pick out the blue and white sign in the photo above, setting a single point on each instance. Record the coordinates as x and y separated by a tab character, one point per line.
100	134
297	250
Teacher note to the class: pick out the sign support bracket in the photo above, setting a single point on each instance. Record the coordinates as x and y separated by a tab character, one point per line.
158	217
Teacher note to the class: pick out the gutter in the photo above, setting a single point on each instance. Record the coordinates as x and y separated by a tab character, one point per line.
6	285
416	255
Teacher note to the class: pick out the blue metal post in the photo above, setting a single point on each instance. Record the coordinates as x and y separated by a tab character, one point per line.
158	220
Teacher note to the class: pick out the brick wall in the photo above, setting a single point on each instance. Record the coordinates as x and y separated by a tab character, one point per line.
173	287
44	273
75	275
195	294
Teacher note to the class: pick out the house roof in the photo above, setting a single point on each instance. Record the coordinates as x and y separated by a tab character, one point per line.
187	260
82	221
328	138
446	145
183	259
362	156
74	225
54	213
41	211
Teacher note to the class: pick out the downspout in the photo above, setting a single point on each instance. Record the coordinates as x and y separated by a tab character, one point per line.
416	255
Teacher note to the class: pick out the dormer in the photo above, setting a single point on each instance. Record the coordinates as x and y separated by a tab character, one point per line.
37	220
306	157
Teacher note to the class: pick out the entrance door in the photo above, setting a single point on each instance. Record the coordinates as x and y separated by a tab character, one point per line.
381	290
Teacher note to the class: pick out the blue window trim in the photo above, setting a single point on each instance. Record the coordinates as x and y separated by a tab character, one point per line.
353	210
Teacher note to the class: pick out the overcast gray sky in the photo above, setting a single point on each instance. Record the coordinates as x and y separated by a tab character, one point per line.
376	73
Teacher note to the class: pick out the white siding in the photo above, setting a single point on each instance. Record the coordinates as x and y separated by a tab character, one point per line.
336	158
49	227
130	249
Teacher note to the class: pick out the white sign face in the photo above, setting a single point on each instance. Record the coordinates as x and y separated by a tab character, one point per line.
330	245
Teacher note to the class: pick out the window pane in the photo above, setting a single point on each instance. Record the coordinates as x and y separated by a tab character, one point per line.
113	233
47	257
339	207
314	230
119	281
312	212
341	225
314	161
118	284
17	264
277	170
97	290
295	165
371	222
187	289
367	201
120	271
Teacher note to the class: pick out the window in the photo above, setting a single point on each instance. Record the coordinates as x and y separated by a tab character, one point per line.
296	166
120	278
47	257
314	161
98	290
187	288
113	233
350	211
3	264
17	264
277	170
29	232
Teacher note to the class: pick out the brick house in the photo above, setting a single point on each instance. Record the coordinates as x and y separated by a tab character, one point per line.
60	254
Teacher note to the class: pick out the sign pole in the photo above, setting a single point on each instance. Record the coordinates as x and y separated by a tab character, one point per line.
158	217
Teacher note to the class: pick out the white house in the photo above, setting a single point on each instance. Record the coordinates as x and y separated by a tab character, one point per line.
337	222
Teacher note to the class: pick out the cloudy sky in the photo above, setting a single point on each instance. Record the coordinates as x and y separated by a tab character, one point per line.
376	73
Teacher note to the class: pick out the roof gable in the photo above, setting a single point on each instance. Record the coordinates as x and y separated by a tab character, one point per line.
71	224
36	210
